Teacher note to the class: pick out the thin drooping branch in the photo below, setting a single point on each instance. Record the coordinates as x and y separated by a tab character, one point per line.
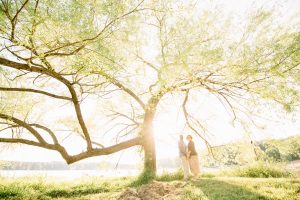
116	114
117	83
28	142
25	125
34	91
48	130
189	124
147	63
93	142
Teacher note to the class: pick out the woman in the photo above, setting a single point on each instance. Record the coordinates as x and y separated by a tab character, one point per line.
193	157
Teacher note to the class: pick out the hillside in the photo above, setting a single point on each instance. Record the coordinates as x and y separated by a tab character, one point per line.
240	153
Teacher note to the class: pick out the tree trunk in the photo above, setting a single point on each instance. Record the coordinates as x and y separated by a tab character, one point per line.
149	143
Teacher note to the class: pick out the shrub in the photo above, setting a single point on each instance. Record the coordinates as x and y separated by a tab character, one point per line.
261	170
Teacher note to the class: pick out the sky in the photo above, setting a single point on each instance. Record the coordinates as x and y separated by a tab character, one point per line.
169	122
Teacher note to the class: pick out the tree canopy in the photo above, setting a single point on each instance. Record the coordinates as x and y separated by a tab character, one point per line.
129	56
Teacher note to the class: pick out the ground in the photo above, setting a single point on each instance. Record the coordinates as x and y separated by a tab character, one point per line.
216	188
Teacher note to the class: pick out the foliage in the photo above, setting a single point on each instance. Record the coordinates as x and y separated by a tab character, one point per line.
280	150
242	153
260	170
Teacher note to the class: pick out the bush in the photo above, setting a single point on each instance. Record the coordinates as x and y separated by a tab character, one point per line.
262	170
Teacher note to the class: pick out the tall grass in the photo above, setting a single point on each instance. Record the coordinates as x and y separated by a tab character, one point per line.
256	170
145	177
177	175
33	188
263	171
259	170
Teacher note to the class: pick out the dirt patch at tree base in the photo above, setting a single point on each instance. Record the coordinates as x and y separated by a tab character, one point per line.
152	191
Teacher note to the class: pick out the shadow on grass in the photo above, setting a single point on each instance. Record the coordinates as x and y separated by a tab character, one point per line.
75	192
220	190
8	194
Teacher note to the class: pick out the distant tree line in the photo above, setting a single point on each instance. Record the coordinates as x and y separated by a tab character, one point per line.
58	165
279	150
283	150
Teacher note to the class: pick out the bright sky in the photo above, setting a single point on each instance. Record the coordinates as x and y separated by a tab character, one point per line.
169	122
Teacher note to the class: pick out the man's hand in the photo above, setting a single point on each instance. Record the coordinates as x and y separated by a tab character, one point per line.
188	154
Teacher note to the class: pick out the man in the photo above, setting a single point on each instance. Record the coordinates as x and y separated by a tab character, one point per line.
183	157
193	157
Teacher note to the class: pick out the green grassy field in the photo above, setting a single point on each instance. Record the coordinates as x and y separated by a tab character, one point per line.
216	188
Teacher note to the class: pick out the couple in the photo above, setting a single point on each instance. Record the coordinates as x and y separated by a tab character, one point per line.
189	157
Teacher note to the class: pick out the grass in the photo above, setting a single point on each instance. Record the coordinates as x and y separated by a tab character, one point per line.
145	177
215	188
262	170
231	188
177	175
257	181
38	188
258	170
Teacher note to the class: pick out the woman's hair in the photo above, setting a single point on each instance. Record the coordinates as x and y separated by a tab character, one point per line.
189	136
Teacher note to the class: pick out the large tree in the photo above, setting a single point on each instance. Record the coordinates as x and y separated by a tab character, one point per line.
131	56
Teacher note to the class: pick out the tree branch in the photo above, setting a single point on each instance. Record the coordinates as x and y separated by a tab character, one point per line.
57	76
186	115
34	91
84	41
51	133
25	125
28	142
106	150
74	158
121	86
